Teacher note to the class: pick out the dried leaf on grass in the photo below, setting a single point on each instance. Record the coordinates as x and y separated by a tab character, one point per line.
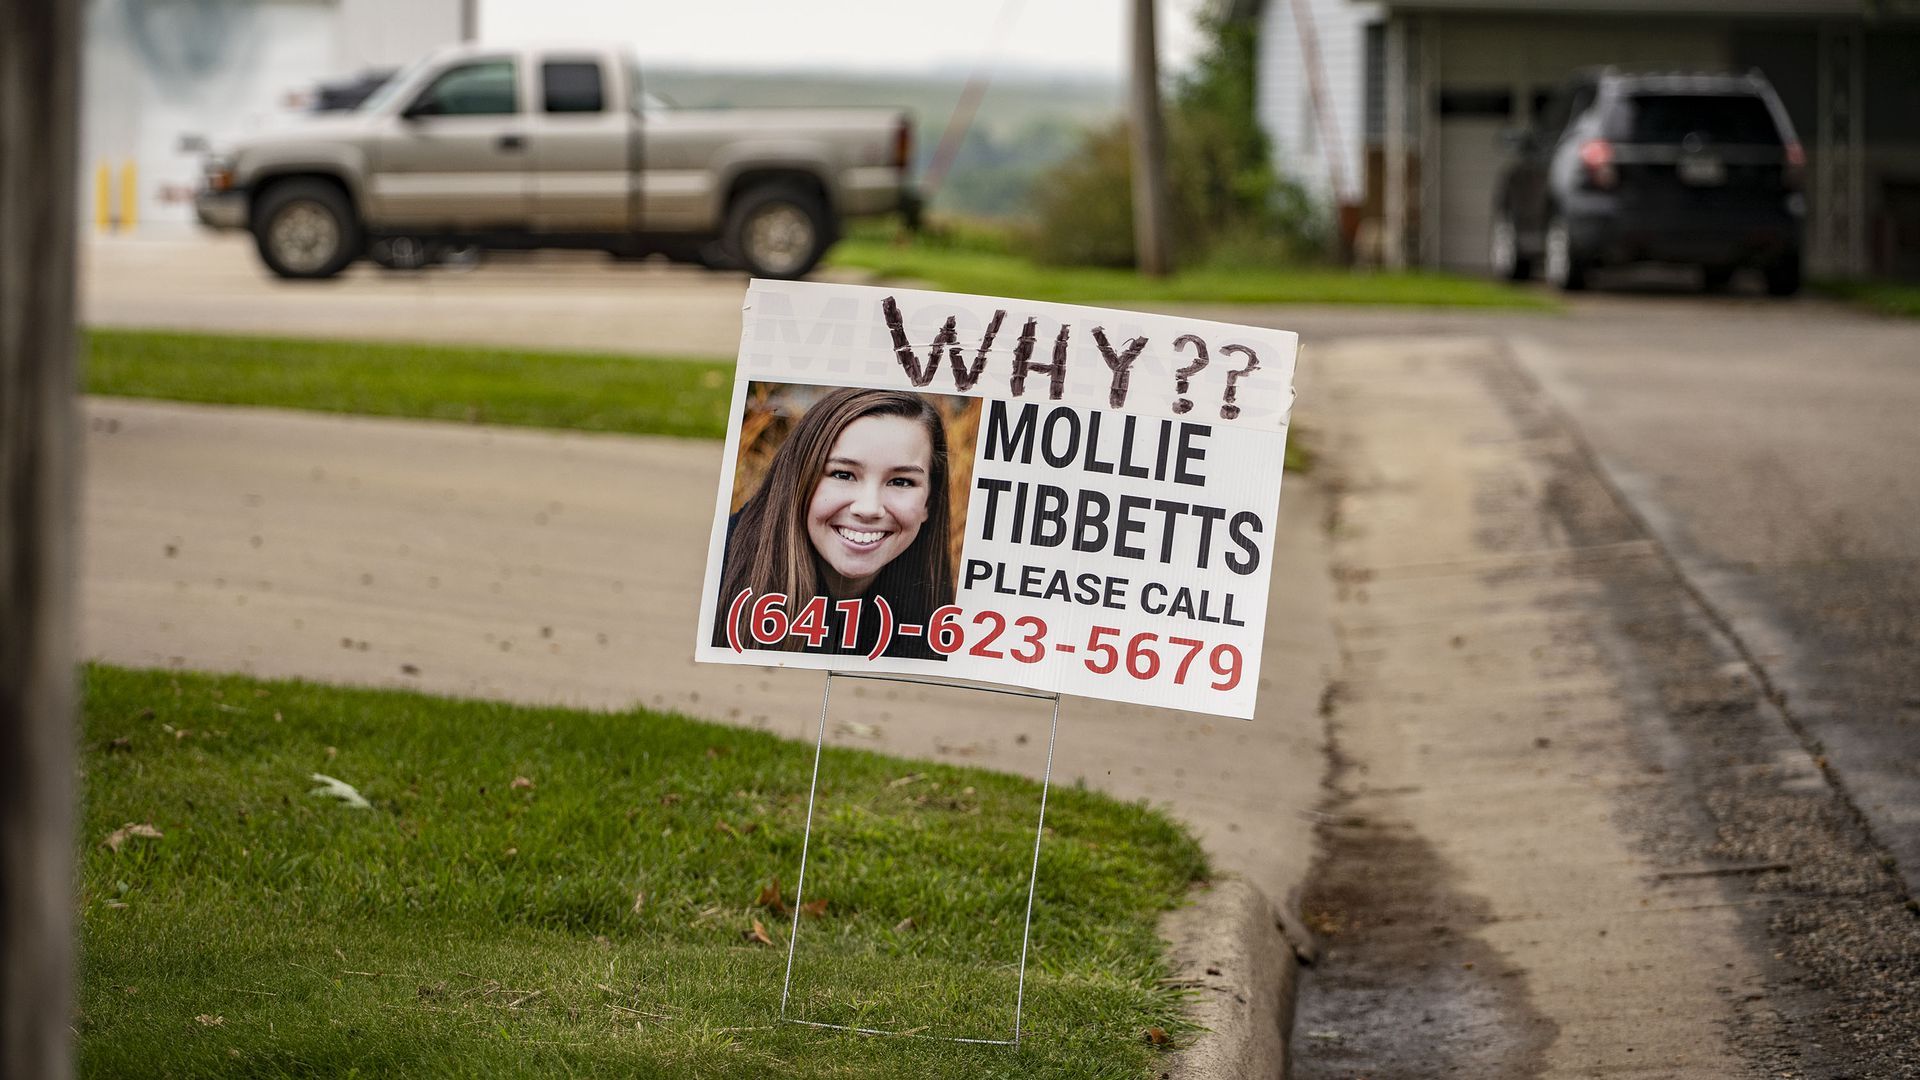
521	783
814	908
1156	1036
904	925
130	829
209	1020
639	902
758	933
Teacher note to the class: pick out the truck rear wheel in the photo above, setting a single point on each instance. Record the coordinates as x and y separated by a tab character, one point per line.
306	229
778	231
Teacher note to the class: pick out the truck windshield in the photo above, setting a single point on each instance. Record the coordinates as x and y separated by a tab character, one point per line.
404	77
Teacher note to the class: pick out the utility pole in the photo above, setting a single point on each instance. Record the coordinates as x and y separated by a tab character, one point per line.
1151	244
39	125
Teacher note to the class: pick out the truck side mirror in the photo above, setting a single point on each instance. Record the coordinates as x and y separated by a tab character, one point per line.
425	106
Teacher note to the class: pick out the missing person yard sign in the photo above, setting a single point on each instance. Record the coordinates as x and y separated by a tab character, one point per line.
1064	498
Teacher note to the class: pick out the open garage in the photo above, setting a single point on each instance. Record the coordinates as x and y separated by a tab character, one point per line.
1394	110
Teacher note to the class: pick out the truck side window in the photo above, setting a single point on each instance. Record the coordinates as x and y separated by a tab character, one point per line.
485	88
572	86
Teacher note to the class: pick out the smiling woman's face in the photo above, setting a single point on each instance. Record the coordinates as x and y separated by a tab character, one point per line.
870	501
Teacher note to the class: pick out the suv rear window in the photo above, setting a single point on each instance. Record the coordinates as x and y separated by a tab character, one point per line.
1728	119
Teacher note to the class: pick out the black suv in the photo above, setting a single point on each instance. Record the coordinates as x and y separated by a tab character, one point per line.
1623	168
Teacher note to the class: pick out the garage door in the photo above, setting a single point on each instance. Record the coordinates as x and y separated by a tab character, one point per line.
1471	158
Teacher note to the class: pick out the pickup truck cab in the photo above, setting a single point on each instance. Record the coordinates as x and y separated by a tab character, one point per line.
556	146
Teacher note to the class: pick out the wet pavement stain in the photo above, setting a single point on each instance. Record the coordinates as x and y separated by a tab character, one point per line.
1404	989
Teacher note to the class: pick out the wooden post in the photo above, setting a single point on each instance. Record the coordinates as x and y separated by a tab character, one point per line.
1152	246
39	215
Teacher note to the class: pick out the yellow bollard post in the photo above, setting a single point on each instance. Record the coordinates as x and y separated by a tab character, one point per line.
103	198
129	195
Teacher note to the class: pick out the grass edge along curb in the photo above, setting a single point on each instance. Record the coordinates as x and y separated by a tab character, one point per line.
581	391
594	392
1895	298
993	273
540	891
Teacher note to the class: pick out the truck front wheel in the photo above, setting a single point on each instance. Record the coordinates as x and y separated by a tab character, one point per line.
306	229
778	231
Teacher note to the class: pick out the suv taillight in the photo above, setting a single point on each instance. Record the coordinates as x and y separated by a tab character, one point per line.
1794	173
1596	157
903	144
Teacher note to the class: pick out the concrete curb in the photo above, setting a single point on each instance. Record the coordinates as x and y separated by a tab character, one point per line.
1227	948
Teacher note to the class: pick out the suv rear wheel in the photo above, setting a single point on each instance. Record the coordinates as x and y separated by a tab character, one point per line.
306	229
1783	276
778	231
1566	266
1503	250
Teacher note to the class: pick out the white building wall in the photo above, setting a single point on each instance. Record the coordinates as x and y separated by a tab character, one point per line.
1284	101
157	74
384	34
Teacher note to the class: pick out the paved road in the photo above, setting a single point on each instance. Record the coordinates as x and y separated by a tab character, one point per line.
1775	450
547	300
1573	837
1771	447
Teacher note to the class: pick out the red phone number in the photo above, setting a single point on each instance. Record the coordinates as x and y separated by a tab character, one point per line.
769	623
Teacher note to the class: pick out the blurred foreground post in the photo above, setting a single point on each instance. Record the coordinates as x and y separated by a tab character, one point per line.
39	87
1151	244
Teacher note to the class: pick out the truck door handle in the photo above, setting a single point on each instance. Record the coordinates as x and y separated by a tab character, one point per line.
512	144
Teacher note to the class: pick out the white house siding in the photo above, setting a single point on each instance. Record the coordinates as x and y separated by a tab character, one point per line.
1284	101
158	73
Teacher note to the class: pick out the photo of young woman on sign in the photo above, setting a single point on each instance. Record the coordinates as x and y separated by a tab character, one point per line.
855	502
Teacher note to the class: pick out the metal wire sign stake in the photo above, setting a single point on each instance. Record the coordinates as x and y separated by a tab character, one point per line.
800	887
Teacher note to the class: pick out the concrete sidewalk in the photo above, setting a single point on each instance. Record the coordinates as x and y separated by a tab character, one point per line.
565	568
1528	871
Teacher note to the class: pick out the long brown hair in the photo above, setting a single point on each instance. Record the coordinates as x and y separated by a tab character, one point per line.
768	550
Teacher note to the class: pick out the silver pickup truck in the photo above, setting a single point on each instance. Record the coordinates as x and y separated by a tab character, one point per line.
555	146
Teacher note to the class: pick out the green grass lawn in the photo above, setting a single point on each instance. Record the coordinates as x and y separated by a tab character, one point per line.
544	892
523	387
1000	274
1891	298
582	391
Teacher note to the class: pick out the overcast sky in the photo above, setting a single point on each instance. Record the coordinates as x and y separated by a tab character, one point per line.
1082	37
